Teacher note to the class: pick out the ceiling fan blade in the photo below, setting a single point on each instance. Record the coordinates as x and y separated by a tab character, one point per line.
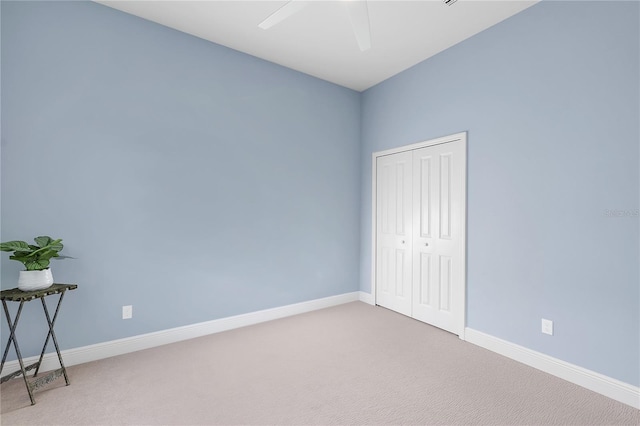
359	15
289	8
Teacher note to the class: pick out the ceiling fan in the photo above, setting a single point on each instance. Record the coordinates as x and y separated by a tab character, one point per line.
358	14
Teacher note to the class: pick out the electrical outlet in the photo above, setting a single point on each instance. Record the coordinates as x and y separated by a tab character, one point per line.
547	326
127	312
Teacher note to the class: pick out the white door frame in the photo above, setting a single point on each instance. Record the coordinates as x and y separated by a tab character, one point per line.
462	303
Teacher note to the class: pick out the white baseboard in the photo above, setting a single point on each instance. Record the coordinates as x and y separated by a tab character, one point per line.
145	341
604	385
366	298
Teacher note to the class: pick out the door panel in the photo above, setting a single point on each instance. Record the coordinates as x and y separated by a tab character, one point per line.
445	196
445	283
424	280
394	227
424	190
439	189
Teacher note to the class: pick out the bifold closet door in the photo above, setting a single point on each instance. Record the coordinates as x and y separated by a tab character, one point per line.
394	229
438	249
420	217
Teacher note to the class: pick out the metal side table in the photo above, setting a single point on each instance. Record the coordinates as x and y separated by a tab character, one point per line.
16	295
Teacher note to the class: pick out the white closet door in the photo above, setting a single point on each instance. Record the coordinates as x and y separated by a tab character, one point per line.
394	230
420	206
438	240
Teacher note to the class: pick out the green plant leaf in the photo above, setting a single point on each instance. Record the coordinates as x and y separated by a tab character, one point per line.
42	241
14	245
37	265
19	257
34	258
48	242
56	245
44	264
22	253
46	255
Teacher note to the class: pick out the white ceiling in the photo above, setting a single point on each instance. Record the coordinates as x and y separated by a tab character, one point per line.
319	40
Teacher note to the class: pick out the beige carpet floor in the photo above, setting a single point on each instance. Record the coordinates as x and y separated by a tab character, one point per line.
350	364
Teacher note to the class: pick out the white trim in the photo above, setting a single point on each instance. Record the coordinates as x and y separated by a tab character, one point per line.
462	136
462	320
604	385
424	144
367	298
374	224
145	341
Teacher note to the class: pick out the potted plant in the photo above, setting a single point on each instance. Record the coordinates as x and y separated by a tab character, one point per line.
35	258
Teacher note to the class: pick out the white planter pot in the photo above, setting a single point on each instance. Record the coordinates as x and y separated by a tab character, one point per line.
35	280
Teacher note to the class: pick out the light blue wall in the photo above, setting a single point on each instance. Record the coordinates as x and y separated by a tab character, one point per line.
190	180
550	99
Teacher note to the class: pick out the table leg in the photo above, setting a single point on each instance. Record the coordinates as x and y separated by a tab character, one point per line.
52	334
6	349
12	338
